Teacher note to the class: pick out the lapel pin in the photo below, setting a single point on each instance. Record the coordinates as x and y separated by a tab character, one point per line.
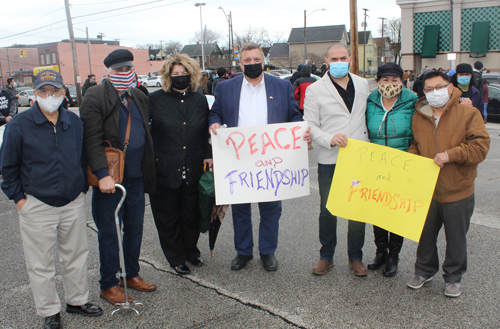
271	97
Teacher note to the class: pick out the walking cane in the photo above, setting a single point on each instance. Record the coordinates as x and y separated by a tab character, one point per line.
127	305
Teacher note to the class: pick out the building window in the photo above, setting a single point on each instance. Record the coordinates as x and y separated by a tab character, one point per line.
42	60
54	58
47	57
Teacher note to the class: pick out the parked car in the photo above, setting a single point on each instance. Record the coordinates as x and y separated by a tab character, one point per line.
18	84
493	108
73	99
289	77
142	78
491	78
279	73
27	98
152	82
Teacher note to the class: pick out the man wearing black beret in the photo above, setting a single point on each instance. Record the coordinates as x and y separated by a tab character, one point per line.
113	111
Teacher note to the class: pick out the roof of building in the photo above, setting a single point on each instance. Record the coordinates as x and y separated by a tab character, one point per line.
279	50
331	33
95	41
265	50
361	37
195	50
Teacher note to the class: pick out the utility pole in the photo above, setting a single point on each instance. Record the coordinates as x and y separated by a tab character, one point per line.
88	49
364	44
161	50
230	46
354	36
73	50
383	41
305	38
8	63
232	36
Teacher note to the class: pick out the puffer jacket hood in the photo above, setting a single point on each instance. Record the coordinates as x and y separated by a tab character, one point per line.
306	71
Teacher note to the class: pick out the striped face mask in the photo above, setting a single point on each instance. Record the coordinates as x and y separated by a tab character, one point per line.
122	81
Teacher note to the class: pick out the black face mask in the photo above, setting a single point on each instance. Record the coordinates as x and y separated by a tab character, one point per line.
253	70
181	82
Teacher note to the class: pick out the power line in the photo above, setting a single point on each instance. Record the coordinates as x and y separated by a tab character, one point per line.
38	18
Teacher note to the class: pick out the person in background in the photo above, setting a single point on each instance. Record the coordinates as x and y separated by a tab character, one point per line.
108	111
213	76
456	138
7	107
485	100
206	85
89	82
300	87
179	121
67	98
388	118
335	108
297	74
418	86
406	76
477	76
222	76
137	84
52	214
14	96
411	80
470	95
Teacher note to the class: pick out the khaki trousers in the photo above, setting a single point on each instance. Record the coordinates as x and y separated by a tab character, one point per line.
44	227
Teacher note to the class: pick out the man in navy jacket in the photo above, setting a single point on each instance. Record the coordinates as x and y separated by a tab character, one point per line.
250	100
43	172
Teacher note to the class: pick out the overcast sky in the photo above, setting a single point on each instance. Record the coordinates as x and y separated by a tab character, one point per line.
175	19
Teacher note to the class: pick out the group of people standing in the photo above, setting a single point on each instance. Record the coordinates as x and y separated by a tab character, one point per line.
47	151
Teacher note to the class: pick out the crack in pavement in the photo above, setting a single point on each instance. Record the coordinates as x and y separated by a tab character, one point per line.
292	320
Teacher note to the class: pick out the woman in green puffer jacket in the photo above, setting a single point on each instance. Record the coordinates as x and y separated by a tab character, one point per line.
388	118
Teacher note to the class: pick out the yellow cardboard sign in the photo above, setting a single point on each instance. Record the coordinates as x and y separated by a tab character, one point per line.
383	186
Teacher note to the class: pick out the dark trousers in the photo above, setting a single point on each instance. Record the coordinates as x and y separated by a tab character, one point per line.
270	213
176	217
456	219
328	222
131	217
387	240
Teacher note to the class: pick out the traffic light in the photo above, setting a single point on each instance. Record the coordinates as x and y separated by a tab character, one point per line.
21	53
236	51
25	52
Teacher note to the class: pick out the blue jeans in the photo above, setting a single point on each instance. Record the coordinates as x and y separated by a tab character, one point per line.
328	222
132	218
270	213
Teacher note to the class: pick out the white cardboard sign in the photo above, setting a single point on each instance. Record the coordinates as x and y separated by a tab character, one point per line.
260	163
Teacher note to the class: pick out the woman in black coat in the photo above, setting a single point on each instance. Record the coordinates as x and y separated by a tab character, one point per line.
179	121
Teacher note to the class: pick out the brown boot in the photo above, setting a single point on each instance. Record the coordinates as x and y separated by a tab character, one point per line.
358	267
140	284
321	267
115	295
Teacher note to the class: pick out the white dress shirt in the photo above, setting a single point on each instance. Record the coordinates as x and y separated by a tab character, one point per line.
253	104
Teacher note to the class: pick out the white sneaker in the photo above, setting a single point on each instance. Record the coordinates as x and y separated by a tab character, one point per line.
453	290
418	281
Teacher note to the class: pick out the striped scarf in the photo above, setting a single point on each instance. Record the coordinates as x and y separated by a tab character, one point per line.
122	81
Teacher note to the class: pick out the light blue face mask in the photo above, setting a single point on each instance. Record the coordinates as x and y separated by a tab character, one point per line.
463	80
339	69
134	85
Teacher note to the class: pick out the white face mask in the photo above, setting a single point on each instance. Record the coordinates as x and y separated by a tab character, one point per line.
50	103
438	98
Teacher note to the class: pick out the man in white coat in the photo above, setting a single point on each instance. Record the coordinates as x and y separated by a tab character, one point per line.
335	108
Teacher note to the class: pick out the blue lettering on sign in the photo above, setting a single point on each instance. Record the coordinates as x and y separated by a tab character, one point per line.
267	180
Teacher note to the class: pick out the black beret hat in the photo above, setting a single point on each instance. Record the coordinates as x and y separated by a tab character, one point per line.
391	69
118	58
464	68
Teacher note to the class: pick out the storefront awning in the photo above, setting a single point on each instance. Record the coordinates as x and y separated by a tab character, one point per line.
479	39
430	41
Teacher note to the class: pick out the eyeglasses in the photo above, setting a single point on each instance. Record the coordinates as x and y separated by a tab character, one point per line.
46	93
382	124
431	89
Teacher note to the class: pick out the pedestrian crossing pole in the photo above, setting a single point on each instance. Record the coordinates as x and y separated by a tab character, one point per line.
73	50
354	36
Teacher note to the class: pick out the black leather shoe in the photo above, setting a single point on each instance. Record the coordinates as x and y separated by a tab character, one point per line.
87	309
240	262
391	268
196	261
182	269
379	260
269	262
53	322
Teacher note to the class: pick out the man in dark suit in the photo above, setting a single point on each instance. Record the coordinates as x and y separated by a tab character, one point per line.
254	99
111	111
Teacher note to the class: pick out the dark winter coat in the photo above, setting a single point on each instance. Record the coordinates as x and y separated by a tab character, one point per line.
180	135
301	85
418	86
86	85
100	111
